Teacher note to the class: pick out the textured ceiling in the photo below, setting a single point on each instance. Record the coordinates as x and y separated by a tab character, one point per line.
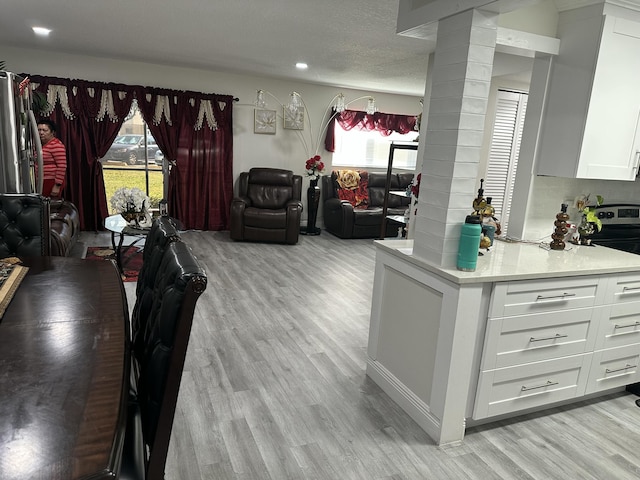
350	44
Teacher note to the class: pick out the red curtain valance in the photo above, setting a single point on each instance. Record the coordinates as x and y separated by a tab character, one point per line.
385	123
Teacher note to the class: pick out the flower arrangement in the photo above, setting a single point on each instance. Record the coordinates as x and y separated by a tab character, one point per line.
129	200
314	167
590	221
413	189
414	186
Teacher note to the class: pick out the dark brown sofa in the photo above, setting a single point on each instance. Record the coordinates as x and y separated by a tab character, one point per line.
268	206
344	220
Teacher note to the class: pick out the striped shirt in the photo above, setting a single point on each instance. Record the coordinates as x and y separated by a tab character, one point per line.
54	159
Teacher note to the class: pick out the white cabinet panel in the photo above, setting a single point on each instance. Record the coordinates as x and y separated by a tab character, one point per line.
530	385
530	338
614	367
623	288
620	326
539	296
593	103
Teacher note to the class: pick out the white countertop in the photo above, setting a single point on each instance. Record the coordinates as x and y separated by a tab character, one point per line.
521	261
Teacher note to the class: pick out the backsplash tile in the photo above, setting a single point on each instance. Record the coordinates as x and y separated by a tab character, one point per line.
550	192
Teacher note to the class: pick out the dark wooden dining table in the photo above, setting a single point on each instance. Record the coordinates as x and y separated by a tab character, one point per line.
64	369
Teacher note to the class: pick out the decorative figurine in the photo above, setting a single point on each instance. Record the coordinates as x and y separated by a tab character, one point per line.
557	242
490	226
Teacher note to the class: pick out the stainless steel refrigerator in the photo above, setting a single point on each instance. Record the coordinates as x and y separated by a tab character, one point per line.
20	147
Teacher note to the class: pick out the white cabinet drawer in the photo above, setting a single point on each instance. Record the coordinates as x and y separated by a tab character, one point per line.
548	295
623	288
614	367
511	389
532	338
620	326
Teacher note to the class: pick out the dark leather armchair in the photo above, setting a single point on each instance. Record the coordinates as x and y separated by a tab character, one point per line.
65	227
268	206
24	225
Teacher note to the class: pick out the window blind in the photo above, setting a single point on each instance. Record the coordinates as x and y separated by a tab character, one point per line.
503	154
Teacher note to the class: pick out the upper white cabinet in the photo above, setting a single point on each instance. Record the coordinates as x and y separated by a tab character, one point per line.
590	127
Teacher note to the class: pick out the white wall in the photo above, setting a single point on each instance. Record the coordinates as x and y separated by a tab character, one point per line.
282	150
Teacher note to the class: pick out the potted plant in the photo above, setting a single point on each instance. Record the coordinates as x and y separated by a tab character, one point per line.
589	223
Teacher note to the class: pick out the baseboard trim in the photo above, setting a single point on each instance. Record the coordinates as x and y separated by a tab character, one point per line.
417	409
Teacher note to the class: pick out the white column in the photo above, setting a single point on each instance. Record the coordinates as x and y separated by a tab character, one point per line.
463	64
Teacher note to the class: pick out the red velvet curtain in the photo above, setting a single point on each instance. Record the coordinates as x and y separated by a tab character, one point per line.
194	130
385	123
87	134
201	182
164	131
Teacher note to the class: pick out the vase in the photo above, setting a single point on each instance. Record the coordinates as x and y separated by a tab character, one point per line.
313	200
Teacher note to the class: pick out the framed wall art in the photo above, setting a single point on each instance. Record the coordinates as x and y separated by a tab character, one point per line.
264	121
293	120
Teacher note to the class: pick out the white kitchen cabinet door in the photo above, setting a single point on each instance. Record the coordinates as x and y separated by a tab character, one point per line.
523	339
506	390
547	295
610	147
614	367
592	112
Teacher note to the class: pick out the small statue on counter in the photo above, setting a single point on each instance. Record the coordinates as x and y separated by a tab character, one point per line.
557	242
490	225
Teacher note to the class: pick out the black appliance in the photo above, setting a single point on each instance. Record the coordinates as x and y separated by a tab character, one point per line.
620	227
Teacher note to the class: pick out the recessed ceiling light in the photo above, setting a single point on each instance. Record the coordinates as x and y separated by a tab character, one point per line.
43	32
302	66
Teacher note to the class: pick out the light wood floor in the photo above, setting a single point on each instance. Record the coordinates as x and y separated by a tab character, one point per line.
274	385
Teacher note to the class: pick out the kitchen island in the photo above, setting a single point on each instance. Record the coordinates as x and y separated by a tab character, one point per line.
529	329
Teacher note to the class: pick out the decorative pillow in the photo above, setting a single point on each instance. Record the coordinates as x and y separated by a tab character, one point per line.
353	186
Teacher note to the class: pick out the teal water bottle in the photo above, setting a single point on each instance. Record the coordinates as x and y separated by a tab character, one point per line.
469	243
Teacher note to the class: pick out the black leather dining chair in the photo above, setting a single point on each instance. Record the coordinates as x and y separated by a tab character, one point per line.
179	282
25	229
163	232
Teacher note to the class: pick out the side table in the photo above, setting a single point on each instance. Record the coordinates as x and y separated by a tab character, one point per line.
117	224
313	200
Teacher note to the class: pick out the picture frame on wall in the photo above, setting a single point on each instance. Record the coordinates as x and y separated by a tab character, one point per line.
264	121
293	120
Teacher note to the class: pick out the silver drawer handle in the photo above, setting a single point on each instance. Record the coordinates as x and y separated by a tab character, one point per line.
548	384
630	289
628	325
555	297
626	367
557	335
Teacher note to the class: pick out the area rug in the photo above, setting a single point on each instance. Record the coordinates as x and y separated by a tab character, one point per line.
131	259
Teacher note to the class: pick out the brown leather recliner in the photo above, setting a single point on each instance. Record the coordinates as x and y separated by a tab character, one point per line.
65	227
268	206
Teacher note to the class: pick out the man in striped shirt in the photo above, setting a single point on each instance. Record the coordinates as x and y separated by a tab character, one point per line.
54	159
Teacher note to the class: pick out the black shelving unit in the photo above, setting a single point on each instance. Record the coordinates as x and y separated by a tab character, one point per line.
392	150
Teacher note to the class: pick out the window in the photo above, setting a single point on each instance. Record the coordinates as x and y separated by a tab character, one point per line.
505	148
370	149
134	160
